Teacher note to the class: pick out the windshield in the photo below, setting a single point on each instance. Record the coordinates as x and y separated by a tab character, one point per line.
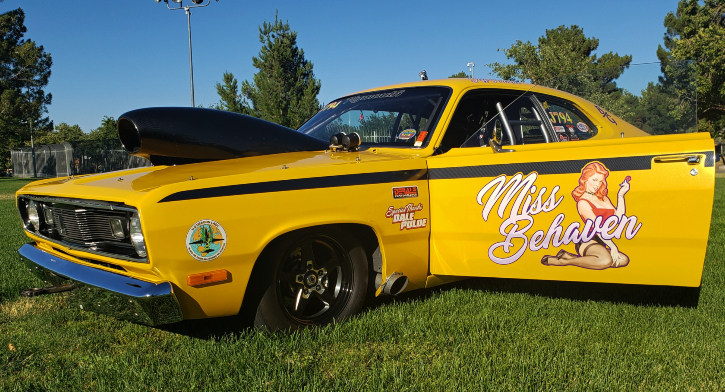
402	117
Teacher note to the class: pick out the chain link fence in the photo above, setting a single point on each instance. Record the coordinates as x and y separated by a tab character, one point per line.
73	158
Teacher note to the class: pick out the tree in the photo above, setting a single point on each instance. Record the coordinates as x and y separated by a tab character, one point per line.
561	51
564	59
284	91
24	72
107	130
62	133
695	32
461	74
230	98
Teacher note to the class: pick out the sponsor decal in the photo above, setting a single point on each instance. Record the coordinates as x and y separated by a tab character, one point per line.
403	192
476	80
391	94
405	216
406	134
545	105
560	117
572	133
421	138
582	127
606	115
331	105
559	128
206	240
593	238
563	138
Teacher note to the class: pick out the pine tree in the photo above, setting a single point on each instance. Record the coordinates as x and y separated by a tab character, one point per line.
229	97
285	89
695	32
24	72
561	51
107	130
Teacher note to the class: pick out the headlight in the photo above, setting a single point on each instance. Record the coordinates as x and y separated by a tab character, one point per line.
137	235
34	215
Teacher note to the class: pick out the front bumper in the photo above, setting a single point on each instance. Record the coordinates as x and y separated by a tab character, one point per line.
106	292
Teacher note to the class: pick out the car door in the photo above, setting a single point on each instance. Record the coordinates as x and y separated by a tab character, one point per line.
622	208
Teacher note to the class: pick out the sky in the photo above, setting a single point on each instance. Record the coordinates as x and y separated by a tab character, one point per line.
110	57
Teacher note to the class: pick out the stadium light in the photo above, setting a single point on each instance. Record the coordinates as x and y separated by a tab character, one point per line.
470	67
187	8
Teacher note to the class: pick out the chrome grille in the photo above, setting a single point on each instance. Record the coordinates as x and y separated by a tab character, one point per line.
85	226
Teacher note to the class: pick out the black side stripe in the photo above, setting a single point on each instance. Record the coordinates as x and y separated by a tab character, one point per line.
299	184
643	162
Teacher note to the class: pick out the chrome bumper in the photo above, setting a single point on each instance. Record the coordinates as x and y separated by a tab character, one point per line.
106	292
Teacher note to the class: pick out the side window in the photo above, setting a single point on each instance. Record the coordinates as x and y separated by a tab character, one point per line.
569	123
476	120
528	128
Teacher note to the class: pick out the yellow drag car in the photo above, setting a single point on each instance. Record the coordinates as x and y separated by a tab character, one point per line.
384	191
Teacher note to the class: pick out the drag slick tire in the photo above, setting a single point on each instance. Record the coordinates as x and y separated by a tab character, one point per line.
318	276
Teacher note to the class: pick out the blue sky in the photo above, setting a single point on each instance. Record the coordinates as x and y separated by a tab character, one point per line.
113	56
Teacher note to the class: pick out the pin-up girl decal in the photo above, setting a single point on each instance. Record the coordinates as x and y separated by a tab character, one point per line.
592	202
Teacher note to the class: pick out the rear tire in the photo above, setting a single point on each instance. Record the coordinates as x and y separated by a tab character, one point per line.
318	276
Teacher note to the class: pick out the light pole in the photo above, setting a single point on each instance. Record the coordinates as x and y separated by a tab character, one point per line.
470	67
187	8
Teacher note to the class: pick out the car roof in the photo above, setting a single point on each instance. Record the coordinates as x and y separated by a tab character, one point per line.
466	83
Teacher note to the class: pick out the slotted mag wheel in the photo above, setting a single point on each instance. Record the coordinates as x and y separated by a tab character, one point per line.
314	280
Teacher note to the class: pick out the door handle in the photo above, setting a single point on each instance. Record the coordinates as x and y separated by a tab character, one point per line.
690	159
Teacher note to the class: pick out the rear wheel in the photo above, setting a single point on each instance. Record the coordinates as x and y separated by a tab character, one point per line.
318	277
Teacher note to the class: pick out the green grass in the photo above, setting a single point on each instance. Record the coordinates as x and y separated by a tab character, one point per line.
12	277
481	334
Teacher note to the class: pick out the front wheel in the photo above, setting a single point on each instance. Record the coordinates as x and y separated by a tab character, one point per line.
318	278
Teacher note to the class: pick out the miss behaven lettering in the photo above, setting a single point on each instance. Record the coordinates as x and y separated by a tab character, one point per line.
526	204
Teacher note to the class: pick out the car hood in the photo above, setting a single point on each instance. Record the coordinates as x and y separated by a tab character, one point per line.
126	186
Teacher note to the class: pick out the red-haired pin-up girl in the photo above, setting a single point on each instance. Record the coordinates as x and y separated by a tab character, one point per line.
592	201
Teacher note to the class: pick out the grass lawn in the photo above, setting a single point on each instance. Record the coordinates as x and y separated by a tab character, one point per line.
481	334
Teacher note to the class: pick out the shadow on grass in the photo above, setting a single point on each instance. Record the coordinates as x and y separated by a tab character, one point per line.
638	295
213	328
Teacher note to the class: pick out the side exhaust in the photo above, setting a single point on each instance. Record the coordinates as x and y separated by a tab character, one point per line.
394	284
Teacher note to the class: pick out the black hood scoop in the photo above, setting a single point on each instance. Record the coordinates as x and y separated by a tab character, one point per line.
171	135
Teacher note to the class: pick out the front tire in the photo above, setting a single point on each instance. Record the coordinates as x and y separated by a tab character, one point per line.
317	277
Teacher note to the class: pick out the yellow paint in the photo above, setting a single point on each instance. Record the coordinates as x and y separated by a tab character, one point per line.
454	240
